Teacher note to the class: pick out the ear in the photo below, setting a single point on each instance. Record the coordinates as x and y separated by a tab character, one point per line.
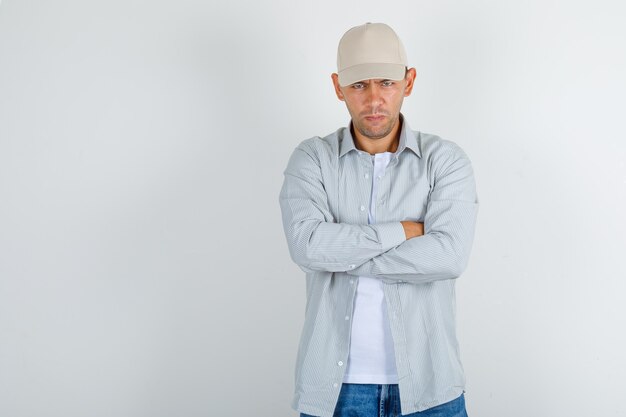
338	91
410	81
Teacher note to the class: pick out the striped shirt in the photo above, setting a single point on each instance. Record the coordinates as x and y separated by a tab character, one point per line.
324	200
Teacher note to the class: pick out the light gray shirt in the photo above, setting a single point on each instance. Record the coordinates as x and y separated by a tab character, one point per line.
324	202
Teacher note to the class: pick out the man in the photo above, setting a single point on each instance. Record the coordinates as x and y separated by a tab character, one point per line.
381	218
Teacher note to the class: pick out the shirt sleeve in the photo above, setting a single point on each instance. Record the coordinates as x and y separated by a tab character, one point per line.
443	251
316	242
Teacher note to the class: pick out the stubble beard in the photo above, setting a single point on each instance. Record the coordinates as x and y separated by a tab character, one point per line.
378	133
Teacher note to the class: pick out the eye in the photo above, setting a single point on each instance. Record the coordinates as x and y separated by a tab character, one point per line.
358	86
387	83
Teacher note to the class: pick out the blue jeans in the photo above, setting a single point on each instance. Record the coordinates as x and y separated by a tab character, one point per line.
369	400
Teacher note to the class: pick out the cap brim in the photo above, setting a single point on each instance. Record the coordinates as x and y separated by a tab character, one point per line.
371	72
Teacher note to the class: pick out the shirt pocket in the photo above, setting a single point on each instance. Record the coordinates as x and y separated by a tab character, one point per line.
408	198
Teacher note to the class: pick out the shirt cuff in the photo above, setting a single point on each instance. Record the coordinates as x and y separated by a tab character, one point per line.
390	234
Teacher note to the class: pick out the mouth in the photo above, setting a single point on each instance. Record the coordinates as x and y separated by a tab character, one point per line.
375	118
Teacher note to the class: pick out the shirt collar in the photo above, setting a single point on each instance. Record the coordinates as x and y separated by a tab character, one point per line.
408	139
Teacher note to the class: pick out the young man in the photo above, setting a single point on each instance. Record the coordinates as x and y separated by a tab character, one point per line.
381	218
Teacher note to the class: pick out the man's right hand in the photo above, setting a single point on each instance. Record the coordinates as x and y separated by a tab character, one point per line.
413	229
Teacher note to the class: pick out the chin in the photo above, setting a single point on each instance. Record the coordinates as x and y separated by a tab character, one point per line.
375	135
378	133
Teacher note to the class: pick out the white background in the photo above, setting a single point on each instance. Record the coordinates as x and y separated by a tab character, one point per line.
143	266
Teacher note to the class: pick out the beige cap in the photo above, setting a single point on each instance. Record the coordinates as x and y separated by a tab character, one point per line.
370	51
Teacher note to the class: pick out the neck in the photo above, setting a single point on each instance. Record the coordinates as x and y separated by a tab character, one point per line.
387	143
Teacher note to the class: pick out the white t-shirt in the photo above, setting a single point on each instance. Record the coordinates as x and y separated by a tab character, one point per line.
371	359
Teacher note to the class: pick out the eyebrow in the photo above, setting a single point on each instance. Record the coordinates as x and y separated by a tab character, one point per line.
367	81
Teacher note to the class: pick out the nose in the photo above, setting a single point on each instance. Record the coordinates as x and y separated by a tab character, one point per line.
374	97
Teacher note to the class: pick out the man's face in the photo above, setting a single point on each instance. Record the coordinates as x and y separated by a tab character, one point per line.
374	105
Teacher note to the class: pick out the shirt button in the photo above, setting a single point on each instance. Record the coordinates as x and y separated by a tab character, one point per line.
335	385
351	281
367	175
362	208
347	317
378	177
351	267
340	363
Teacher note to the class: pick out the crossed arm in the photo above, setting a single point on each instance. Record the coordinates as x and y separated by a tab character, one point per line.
396	251
412	229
